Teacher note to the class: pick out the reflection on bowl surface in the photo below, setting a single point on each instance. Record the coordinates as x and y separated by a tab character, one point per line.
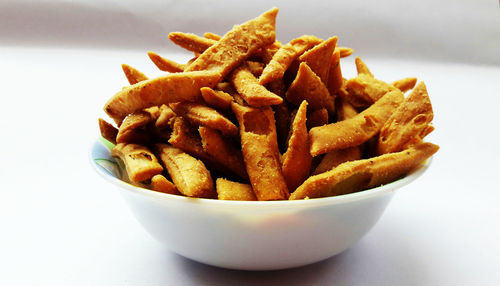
253	235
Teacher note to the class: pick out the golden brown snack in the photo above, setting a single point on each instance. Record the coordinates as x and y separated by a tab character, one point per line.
284	57
344	109
337	157
133	75
409	120
190	175
319	57
297	159
308	86
268	52
356	130
344	51
364	90
361	67
229	190
216	98
260	152
140	163
164	117
133	128
222	151
335	80
165	64
405	84
161	184
318	117
108	131
364	174
249	88
191	42
185	137
237	45
212	36
255	68
157	91
203	115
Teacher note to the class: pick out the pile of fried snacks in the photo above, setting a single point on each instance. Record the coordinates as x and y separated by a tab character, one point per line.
251	118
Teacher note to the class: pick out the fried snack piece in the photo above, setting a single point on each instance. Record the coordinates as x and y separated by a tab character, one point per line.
191	42
157	91
335	80
364	90
184	137
308	86
249	88
358	175
284	57
229	190
318	117
108	131
161	184
297	159
409	120
255	68
344	109
216	98
222	151
190	175
165	64
260	152
237	45
268	52
356	130
164	116
133	128
203	115
405	84
133	75
361	67
212	36
140	163
337	157
319	57
344	51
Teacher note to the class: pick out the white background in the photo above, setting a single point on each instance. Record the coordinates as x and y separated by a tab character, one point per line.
61	224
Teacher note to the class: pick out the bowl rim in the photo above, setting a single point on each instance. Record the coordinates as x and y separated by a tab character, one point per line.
352	197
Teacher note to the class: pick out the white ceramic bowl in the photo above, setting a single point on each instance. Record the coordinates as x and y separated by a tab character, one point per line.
253	235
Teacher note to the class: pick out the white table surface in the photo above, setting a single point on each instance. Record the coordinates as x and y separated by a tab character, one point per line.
61	224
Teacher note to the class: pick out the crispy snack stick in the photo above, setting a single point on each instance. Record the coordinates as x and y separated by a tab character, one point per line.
216	98
335	80
409	120
191	42
161	184
297	159
165	64
364	90
190	175
364	174
157	91
308	86
164	117
344	109
184	137
260	152
255	68
284	57
361	67
212	36
318	117
133	75
139	162
222	151
249	88
405	84
268	52
356	130
337	157
206	116
319	57
229	190
344	51
237	45
108	131
133	128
